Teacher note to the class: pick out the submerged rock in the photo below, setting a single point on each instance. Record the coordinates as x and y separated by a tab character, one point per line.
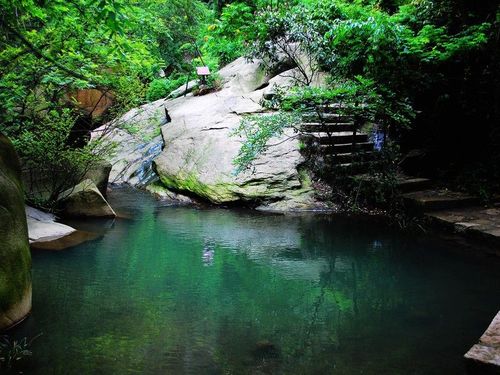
163	194
265	349
85	199
15	259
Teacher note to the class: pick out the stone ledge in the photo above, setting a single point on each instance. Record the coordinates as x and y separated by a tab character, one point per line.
478	224
484	357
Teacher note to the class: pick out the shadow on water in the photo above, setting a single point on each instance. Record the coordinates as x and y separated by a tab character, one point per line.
190	291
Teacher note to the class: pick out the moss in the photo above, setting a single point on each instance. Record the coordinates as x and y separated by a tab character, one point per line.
15	265
156	188
15	277
217	193
304	178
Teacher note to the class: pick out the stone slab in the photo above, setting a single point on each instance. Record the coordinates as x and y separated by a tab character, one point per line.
487	351
76	238
42	226
438	199
477	223
411	184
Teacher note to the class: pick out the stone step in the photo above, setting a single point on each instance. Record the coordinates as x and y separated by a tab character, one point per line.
350	157
330	118
438	199
316	127
411	184
342	148
340	137
355	168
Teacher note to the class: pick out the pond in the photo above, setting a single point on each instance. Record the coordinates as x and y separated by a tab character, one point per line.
177	290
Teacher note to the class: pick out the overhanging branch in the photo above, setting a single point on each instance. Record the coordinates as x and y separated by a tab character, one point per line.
38	53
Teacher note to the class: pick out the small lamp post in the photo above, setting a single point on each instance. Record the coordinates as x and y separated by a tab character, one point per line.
203	72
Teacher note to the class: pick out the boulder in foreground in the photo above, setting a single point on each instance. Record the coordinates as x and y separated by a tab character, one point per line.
15	258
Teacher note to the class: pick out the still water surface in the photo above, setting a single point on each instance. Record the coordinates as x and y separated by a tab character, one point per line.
185	291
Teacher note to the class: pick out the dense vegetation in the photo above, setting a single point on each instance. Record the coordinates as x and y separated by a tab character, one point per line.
427	70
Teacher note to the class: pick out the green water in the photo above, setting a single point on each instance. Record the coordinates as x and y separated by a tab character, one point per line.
186	291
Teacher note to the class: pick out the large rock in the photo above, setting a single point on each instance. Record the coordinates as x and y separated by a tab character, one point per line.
200	145
195	152
99	174
42	227
163	194
15	259
85	199
135	140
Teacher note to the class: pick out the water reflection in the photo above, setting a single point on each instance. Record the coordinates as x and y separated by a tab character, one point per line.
184	291
208	253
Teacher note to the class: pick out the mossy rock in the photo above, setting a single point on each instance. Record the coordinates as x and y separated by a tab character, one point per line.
15	258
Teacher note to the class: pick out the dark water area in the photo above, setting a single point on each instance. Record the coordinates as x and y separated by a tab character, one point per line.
177	290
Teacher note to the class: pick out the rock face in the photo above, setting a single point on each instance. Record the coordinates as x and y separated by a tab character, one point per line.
484	357
200	146
15	259
99	174
85	199
163	194
135	140
194	153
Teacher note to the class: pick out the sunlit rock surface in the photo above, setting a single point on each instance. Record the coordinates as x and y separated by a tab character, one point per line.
200	146
85	200
42	226
195	152
132	142
15	259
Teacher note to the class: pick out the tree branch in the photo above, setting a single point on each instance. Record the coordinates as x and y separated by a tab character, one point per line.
38	53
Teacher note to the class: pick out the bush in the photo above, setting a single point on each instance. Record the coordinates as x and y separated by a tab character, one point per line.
162	87
227	37
50	164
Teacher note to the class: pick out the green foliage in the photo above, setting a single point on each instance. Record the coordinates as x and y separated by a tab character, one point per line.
49	51
288	35
256	131
434	45
214	81
14	352
226	38
51	165
162	87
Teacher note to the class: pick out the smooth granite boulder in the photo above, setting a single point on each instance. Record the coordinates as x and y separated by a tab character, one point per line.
99	174
194	153
134	140
15	258
85	199
42	227
200	146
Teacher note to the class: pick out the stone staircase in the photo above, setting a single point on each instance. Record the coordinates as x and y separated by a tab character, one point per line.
335	137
